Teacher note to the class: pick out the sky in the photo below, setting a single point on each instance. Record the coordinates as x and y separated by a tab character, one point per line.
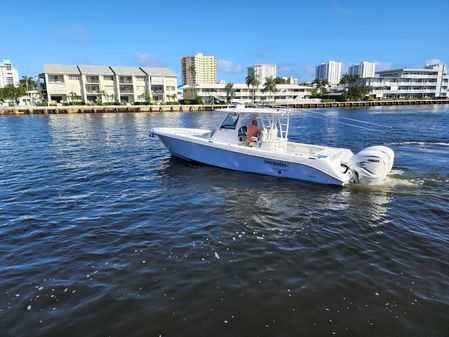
295	35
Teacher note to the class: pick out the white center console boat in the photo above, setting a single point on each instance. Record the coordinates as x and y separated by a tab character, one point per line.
271	153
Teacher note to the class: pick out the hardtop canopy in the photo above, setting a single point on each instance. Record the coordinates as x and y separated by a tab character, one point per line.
253	111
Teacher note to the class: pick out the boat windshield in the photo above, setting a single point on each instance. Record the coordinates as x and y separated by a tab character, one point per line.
230	121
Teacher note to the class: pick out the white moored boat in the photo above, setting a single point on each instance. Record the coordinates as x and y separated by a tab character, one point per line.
271	153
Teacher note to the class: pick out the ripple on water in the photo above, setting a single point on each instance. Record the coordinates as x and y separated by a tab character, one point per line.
103	233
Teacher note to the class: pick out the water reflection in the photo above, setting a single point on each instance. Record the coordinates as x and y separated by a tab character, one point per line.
97	214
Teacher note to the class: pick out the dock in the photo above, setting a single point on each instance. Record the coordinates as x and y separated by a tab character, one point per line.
45	110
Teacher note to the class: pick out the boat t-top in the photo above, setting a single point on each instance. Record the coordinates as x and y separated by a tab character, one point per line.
270	152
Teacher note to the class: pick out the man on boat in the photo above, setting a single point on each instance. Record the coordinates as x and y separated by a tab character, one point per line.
252	131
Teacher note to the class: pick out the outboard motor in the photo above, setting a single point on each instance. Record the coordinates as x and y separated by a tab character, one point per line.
372	164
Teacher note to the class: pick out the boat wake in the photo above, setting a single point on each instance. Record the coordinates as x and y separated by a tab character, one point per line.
442	144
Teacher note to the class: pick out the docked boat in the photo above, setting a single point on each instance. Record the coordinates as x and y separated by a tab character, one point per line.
267	150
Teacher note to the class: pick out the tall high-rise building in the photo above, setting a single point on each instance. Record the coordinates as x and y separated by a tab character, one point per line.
8	74
199	69
263	71
363	69
330	71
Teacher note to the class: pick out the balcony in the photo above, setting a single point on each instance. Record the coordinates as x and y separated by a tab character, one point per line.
126	90
92	79
125	80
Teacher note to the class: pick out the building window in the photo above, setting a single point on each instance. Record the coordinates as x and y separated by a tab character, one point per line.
126	79
55	79
92	79
74	77
92	88
108	78
170	88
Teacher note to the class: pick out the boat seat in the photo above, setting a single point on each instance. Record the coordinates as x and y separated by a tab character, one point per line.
331	154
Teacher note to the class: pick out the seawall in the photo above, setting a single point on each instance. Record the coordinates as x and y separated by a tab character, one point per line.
30	110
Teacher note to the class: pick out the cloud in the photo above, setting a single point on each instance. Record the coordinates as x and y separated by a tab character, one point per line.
310	71
285	68
77	35
229	67
380	66
339	8
147	60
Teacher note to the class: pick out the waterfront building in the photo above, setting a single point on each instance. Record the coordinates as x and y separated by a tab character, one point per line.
363	69
204	69
263	71
330	71
428	82
8	74
68	82
211	93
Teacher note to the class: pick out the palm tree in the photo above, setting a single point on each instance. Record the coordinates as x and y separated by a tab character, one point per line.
349	79
73	96
321	85
270	86
251	80
28	83
230	91
103	93
192	72
146	96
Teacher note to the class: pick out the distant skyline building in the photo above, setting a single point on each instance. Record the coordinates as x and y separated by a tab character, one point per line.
205	69
428	82
8	74
330	71
290	80
263	71
363	69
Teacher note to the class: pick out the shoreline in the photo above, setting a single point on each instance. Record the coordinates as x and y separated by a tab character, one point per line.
44	110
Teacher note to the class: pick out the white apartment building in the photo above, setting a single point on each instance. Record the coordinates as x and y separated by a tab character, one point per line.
67	82
205	69
217	92
363	69
263	71
429	82
330	71
8	74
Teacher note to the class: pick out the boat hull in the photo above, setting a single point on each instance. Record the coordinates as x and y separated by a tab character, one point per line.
255	163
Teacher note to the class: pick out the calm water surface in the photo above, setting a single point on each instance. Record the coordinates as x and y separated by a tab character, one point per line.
102	233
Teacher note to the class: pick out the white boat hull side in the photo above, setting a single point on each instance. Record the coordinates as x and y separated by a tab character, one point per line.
216	156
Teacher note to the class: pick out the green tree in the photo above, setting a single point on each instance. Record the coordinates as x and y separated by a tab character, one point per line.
192	72
146	96
270	86
356	93
349	79
321	86
73	96
103	96
280	80
230	91
10	92
28	83
251	80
